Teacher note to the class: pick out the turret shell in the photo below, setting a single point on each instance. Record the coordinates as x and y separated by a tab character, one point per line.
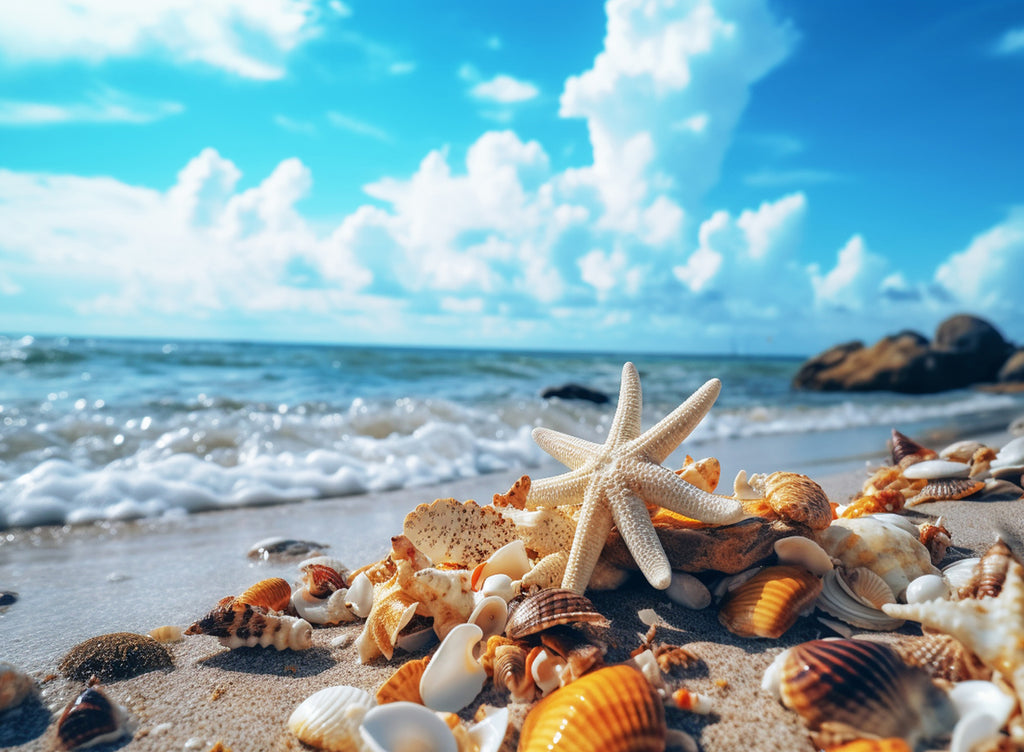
250	626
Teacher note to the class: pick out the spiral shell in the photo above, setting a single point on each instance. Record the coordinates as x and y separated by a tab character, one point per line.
91	718
548	608
330	719
404	684
510	672
989	573
613	709
15	686
250	626
273	594
865	687
770	602
906	451
942	657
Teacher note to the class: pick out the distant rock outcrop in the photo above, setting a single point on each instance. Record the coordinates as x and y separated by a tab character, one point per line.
575	392
966	350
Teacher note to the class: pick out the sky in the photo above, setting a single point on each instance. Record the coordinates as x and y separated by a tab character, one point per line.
728	176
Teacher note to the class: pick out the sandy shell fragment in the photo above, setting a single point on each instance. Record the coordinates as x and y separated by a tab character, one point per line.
91	718
454	677
796	549
884	500
946	489
273	594
15	686
688	591
770	602
941	656
330	719
406	726
250	626
549	608
892	744
936	469
462	533
119	655
613	709
544	531
704	474
961	451
404	684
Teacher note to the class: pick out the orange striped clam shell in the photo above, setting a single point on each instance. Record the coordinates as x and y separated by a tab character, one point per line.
613	709
322	580
273	594
404	684
895	744
770	602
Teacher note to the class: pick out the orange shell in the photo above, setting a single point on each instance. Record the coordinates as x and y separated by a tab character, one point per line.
886	500
613	709
769	603
273	594
322	580
404	684
895	744
798	498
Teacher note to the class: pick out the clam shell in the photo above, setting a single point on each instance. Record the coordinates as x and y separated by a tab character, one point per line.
770	602
613	709
330	719
462	533
936	469
404	726
404	684
1011	455
941	656
272	594
864	686
796	497
906	451
839	599
804	552
15	686
548	608
868	587
454	678
688	591
250	626
91	718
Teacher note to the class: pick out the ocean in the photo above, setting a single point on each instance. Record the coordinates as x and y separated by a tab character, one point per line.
107	429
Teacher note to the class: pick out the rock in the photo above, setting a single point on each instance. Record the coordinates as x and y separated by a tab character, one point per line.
119	655
974	350
575	392
1013	368
810	374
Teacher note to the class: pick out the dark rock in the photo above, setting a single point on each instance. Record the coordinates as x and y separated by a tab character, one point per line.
1013	368
810	375
576	392
119	655
973	349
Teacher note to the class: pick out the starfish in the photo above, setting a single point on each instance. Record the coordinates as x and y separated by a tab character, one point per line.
615	482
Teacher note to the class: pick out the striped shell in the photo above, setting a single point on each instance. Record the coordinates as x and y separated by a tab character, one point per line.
946	489
906	451
510	672
91	718
329	719
795	497
885	500
989	573
856	597
613	709
250	626
404	684
942	656
863	686
548	608
273	594
322	580
892	744
770	602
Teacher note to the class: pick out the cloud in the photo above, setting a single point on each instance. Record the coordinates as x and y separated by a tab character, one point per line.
401	67
856	280
102	106
356	126
303	127
248	39
987	274
1011	42
504	90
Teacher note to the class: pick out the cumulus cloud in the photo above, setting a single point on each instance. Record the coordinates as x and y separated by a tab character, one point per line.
248	39
1011	42
855	282
504	90
105	105
987	274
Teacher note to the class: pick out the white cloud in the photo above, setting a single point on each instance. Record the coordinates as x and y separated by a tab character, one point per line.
102	106
1011	42
987	274
244	37
340	8
357	126
857	279
504	90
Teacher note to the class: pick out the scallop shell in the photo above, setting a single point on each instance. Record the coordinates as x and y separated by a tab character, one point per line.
865	687
795	497
770	602
549	608
330	719
613	709
855	597
250	626
454	678
91	718
273	594
404	684
906	451
941	656
946	489
404	726
15	686
462	533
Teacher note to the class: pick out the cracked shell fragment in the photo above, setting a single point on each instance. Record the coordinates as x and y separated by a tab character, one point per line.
613	709
770	602
462	533
330	719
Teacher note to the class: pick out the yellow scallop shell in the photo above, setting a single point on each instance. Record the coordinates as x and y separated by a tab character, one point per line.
404	684
769	603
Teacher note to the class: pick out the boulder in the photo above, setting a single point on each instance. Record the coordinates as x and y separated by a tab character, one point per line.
1013	368
973	350
575	392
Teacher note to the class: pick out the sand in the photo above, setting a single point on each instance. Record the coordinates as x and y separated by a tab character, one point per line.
75	583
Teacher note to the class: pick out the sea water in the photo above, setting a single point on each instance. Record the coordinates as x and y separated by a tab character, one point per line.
98	429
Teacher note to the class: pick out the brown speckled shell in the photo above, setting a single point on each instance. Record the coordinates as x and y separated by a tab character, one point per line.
273	594
768	604
549	608
797	498
942	657
462	533
249	626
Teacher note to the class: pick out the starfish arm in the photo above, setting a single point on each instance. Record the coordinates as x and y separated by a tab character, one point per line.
626	423
658	485
634	524
571	451
659	441
558	490
592	530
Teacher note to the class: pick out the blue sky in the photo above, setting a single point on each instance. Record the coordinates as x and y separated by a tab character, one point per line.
742	176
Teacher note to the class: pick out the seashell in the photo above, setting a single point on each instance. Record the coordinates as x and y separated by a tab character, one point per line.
488	733
15	686
704	474
277	548
941	657
330	719
403	726
359	598
613	709
795	497
273	594
688	591
897	521
454	678
392	609
548	608
515	497
446	595
1000	489
490	614
168	633
946	489
863	686
981	460
732	581
579	654
544	531
545	668
937	469
321	579
989	574
510	672
927	587
91	718
118	655
841	599
803	552
462	533
770	602
868	587
1011	455
694	702
885	500
961	451
331	609
984	709
250	626
510	559
546	573
500	585
892	744
404	684
959	573
741	488
890	552
906	451
936	539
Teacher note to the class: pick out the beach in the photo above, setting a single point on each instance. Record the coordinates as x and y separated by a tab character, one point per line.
81	581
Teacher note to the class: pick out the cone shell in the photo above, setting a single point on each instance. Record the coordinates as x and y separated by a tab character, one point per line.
404	684
770	602
864	686
796	498
273	594
91	718
942	657
250	626
613	709
906	451
329	719
463	533
548	608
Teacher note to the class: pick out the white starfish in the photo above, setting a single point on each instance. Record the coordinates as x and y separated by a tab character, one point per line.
614	480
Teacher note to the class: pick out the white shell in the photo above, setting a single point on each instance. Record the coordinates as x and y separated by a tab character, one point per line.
406	727
489	733
510	559
1010	455
360	596
838	600
961	451
454	678
547	671
771	681
501	585
730	582
741	487
797	549
959	573
490	614
688	591
896	520
15	685
927	587
934	469
330	719
329	610
984	709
